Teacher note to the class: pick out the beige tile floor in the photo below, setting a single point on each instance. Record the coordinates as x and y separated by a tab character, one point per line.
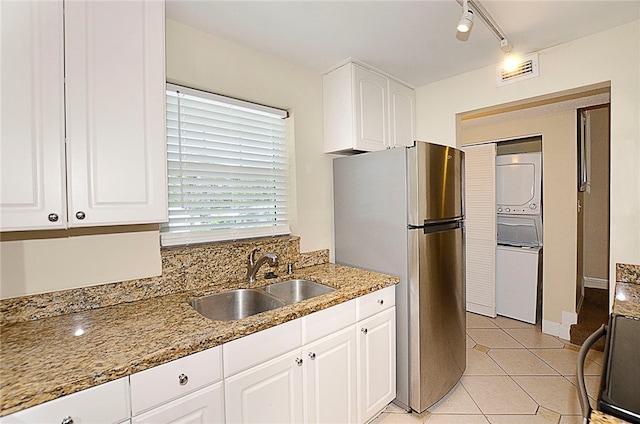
515	374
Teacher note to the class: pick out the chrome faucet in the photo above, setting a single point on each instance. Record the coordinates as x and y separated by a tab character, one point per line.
253	265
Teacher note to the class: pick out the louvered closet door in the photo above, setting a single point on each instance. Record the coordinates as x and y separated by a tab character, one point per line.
480	211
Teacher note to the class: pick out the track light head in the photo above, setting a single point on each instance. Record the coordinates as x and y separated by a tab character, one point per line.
466	21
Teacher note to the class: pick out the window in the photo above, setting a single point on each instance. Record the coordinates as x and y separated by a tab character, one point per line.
227	168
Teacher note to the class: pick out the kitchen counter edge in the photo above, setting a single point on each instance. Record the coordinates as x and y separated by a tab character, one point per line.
49	358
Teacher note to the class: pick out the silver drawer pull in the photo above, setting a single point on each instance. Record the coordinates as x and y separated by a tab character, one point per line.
80	215
67	420
380	301
299	362
183	379
312	355
364	330
53	217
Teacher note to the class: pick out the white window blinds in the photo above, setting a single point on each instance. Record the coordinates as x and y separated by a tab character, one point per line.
227	168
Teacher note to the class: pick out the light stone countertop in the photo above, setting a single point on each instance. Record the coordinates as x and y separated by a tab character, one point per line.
44	359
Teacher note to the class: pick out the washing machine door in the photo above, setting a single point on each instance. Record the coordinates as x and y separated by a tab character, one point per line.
519	230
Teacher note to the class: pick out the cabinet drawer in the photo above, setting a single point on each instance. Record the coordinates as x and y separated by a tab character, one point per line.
375	302
176	378
328	321
203	406
104	404
256	348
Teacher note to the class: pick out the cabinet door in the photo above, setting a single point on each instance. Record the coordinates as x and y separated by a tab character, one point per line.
267	393
115	86
205	406
371	109
330	379
376	363
402	103
31	116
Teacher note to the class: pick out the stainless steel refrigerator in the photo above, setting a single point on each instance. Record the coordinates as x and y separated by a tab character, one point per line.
400	212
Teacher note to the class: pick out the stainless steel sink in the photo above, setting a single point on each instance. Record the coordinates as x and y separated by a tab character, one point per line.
235	304
292	291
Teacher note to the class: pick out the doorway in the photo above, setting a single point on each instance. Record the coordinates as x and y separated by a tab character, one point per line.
592	262
553	116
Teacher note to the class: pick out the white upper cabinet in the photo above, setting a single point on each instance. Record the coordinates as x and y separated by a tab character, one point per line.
371	110
365	110
402	104
32	181
113	58
114	55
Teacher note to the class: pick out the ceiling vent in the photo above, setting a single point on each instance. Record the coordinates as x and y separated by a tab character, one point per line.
528	68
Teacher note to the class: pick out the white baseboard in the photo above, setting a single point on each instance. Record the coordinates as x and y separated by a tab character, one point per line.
595	283
562	329
481	309
550	327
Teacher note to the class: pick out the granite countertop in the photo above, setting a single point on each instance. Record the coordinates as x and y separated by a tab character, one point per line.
627	299
44	359
626	302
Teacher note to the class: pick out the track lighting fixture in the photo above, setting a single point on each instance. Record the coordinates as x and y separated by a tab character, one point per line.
466	21
511	60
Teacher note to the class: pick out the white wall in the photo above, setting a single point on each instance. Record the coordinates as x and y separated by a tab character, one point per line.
613	55
199	60
76	258
50	261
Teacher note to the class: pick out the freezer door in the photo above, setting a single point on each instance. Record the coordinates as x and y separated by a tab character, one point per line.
437	315
435	183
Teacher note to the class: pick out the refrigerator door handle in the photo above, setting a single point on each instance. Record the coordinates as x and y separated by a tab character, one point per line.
435	228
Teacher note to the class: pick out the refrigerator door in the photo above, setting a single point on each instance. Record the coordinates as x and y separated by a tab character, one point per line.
437	310
435	183
370	223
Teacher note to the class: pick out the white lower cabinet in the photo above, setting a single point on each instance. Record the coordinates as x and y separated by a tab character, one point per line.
376	363
267	393
333	366
188	390
330	378
104	404
205	406
343	373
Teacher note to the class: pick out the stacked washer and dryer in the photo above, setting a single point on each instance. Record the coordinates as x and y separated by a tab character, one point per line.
519	222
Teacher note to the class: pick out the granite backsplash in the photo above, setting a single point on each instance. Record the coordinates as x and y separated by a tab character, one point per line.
184	268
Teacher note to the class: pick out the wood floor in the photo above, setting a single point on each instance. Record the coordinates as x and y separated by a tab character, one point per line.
593	313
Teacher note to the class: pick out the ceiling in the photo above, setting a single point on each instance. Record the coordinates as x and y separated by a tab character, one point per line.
415	41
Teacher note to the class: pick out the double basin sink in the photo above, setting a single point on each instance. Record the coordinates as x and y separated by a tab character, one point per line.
241	303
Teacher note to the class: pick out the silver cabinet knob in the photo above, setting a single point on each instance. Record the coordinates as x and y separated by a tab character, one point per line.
364	330
53	217
299	362
312	355
67	420
380	301
183	379
80	215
